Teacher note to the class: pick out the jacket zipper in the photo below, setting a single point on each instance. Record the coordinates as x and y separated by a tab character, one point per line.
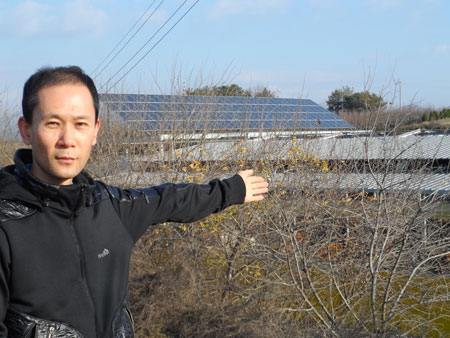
82	265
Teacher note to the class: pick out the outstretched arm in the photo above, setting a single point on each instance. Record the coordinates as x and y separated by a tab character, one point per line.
255	186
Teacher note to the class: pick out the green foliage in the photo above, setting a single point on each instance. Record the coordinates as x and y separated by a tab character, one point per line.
434	115
346	99
262	92
230	90
336	101
366	101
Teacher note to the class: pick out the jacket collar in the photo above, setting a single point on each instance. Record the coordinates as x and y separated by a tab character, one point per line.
60	196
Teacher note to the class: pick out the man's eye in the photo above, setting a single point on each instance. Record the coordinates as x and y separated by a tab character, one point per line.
52	123
82	124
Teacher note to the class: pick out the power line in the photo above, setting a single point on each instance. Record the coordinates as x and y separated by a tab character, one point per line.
154	45
129	40
148	41
123	38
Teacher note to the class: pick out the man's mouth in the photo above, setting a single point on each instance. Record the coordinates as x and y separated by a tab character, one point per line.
65	159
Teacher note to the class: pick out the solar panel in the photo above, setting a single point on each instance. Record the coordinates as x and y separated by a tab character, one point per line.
219	113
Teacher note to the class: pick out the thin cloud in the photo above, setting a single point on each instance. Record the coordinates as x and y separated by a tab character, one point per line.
432	2
34	19
316	84
323	3
383	5
81	16
158	17
227	8
442	50
296	77
31	18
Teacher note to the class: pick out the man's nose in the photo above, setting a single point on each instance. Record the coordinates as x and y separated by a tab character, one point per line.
67	137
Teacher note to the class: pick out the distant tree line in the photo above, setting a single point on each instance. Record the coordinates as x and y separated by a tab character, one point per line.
346	99
230	90
434	115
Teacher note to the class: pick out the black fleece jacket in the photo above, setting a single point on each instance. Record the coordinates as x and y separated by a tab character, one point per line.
65	250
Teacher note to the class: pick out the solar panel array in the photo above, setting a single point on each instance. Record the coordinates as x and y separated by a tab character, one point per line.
219	113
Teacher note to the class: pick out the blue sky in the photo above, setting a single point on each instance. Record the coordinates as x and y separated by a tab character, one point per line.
298	48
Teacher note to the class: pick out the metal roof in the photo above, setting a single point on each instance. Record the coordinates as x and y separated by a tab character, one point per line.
412	183
425	183
390	183
389	147
428	147
410	148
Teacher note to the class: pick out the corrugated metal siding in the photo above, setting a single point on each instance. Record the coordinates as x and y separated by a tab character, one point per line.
371	148
357	148
413	182
411	148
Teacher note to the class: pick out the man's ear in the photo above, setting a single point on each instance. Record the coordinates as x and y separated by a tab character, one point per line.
97	127
25	130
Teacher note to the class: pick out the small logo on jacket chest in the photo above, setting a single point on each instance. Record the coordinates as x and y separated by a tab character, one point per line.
103	254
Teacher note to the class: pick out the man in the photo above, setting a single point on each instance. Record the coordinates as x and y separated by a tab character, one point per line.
66	239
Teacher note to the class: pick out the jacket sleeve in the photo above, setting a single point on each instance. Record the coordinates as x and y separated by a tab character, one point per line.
175	202
4	277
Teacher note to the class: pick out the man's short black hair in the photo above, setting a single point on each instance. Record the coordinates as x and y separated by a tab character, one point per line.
50	76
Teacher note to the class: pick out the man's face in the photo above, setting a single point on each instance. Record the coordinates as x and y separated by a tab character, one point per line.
62	132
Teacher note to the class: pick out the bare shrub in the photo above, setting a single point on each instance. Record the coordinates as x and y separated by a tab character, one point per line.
322	255
8	133
385	120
